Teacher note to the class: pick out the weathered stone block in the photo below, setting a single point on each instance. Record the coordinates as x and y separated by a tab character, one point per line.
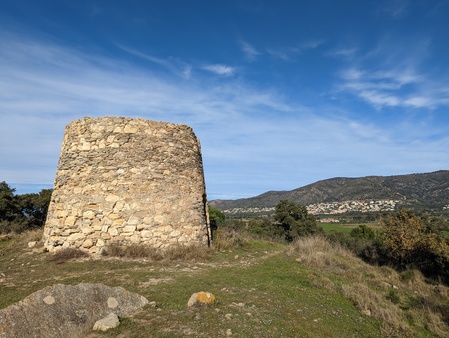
70	220
88	243
87	230
129	228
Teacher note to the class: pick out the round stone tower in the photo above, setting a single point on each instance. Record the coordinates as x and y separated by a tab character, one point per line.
129	181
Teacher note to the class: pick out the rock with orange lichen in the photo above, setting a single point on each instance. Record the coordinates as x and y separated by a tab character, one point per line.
200	298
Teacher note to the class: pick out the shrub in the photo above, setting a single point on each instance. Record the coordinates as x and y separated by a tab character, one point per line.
295	220
365	248
409	241
265	229
363	232
393	296
229	239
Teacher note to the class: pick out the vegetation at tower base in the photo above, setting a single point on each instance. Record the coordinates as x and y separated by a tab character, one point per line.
309	288
22	212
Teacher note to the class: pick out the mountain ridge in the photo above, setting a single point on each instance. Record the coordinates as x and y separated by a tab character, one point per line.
423	190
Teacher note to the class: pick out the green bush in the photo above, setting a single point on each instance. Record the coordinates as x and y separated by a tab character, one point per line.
393	296
363	232
409	241
360	242
295	220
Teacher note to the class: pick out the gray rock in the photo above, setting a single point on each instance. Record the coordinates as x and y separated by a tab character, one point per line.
67	310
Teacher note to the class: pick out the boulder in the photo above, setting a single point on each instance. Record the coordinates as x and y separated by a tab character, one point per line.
67	310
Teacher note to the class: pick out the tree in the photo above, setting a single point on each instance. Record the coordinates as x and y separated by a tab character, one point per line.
363	232
22	212
35	206
411	241
10	214
9	207
295	220
216	218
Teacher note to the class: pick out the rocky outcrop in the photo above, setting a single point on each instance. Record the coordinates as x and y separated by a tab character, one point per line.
129	181
67	310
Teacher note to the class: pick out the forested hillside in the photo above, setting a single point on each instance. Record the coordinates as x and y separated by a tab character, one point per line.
429	190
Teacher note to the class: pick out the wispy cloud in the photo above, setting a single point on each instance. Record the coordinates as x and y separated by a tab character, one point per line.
395	9
220	69
347	53
290	53
310	44
393	88
389	76
253	139
250	52
173	64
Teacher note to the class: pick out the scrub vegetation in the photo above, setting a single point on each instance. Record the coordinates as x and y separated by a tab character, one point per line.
310	287
280	276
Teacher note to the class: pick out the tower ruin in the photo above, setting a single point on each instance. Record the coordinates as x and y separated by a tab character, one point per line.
125	180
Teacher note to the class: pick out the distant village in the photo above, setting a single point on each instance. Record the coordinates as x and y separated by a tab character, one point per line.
331	208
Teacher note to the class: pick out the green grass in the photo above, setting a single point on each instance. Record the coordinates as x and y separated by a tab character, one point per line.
336	227
270	296
262	289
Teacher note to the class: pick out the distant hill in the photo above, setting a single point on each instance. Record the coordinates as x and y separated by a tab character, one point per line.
429	190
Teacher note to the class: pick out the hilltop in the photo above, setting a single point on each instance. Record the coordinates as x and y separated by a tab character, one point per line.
424	191
263	289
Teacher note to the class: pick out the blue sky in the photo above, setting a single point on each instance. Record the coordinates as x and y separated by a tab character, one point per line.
281	93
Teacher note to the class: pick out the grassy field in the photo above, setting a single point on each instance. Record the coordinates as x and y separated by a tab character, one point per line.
344	228
262	289
336	227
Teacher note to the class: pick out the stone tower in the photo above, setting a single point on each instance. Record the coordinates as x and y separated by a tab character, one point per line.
129	181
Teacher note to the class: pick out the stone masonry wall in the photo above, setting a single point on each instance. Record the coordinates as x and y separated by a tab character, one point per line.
129	181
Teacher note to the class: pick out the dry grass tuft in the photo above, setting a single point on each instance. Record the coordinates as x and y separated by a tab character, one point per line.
187	253
34	235
318	252
321	282
394	298
365	299
435	323
230	239
141	251
134	251
67	254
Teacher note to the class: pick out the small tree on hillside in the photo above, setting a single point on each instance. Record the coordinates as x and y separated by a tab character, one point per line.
216	218
10	213
35	206
410	240
22	212
363	232
8	203
295	220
